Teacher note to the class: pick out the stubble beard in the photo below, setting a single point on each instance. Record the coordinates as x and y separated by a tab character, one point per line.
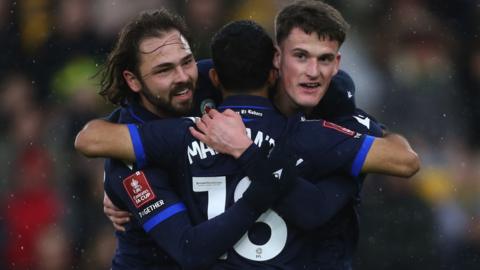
164	105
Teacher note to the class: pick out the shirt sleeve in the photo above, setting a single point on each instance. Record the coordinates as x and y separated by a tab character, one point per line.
157	208
339	100
159	142
360	122
328	148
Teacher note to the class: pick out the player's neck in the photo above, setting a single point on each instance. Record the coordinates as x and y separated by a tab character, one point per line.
283	103
261	92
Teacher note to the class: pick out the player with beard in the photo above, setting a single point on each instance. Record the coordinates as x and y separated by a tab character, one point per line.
151	74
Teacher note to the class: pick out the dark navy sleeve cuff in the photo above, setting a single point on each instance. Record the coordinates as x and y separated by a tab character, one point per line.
249	156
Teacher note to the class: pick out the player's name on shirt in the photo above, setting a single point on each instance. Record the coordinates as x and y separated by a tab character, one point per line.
198	150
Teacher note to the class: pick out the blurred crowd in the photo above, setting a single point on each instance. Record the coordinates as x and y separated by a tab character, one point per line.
416	65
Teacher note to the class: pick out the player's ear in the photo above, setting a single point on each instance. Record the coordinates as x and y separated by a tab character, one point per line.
272	77
212	73
276	57
132	81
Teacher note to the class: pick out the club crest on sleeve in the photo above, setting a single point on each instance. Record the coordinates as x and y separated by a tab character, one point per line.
138	189
338	128
206	105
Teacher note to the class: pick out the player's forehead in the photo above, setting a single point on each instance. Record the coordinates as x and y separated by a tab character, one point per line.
171	46
299	40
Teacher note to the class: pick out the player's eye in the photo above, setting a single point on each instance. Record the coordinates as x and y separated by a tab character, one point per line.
188	61
300	56
162	71
328	58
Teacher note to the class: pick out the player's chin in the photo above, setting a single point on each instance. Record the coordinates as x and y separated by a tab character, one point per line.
183	108
308	101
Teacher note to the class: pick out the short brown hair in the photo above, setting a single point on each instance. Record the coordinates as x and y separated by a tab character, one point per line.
312	17
125	54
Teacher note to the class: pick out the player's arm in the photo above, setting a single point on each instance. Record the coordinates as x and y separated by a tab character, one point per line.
404	161
154	142
391	155
100	138
164	218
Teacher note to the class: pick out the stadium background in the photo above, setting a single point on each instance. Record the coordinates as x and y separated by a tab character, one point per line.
416	65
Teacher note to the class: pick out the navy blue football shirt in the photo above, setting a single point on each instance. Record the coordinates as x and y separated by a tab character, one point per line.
135	249
161	234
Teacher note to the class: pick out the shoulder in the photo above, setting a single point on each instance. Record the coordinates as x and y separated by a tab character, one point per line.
171	124
114	116
320	134
339	98
361	122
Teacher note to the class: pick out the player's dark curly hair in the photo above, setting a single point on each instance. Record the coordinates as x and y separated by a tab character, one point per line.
125	55
242	54
312	16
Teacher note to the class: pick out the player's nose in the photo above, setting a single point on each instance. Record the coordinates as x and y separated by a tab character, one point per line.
180	74
312	69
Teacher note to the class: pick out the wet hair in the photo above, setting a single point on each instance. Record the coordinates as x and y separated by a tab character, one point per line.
312	17
242	54
126	55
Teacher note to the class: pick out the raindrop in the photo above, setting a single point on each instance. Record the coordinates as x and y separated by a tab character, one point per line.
444	115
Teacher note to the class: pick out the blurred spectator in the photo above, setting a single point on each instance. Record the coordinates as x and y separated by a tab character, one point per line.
204	18
396	226
9	36
33	202
52	249
72	38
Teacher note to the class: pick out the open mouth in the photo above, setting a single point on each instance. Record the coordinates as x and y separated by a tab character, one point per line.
181	93
310	85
